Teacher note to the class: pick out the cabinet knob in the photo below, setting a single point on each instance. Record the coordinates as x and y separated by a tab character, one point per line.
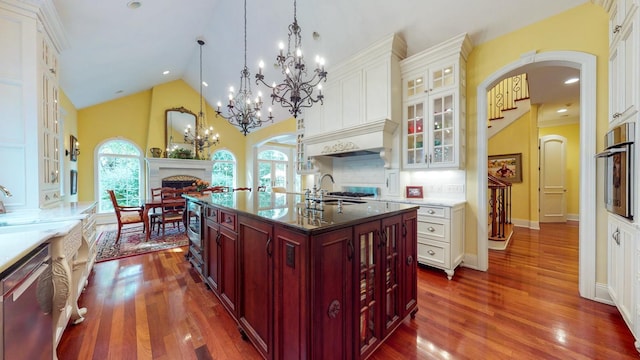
52	70
410	259
431	252
430	211
431	229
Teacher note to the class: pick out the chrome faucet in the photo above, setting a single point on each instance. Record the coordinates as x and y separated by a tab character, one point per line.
322	178
6	191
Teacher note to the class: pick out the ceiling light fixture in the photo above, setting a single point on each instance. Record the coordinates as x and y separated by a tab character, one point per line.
134	4
562	110
295	92
166	72
571	81
244	111
201	138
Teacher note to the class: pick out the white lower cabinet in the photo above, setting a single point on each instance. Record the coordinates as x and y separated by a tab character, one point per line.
441	237
623	276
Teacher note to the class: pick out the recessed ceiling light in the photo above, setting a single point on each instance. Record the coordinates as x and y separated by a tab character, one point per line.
134	4
572	80
562	110
166	72
205	84
119	92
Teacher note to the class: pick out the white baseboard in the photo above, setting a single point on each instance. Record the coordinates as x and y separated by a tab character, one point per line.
535	225
573	217
602	294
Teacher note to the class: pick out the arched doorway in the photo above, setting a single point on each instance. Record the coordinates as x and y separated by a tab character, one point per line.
586	63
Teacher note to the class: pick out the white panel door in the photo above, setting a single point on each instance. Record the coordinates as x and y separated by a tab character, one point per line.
553	191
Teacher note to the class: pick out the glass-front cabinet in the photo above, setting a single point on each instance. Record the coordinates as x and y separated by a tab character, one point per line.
433	90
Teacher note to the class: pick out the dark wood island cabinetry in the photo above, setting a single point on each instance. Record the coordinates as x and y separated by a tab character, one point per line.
310	284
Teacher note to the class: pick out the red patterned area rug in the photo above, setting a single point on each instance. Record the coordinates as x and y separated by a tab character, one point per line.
132	242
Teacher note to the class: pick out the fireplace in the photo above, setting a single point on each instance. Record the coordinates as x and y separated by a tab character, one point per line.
159	169
179	181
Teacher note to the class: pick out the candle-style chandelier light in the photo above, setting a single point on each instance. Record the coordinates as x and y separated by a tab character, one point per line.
201	138
295	92
243	110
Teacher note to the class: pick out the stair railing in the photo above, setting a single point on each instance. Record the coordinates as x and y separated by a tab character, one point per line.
505	94
499	206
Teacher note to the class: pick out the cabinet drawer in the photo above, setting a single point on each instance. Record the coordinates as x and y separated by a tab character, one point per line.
228	220
434	253
433	229
211	214
434	211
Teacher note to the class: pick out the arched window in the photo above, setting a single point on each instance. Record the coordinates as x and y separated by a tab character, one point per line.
273	166
119	167
224	169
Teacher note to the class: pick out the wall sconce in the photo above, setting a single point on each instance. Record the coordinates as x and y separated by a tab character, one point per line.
74	152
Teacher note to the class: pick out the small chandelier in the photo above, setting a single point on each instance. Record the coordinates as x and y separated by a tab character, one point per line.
244	111
294	92
201	138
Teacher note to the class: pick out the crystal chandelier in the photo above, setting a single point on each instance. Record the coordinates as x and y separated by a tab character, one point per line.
244	111
295	92
201	138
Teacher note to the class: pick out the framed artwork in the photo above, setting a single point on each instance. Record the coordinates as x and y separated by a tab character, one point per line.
73	144
414	192
73	182
507	167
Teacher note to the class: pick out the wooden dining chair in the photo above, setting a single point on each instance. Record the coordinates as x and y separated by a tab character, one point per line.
173	205
155	216
126	215
242	189
215	189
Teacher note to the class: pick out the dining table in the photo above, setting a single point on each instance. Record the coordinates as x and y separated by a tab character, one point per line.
149	205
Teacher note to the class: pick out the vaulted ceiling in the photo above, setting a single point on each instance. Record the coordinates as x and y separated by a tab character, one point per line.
113	50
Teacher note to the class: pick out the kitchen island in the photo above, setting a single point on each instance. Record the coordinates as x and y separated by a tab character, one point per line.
330	283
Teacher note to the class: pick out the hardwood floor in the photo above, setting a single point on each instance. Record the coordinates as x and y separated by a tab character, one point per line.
525	307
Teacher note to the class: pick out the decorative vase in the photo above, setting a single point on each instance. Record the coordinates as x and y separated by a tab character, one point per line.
156	152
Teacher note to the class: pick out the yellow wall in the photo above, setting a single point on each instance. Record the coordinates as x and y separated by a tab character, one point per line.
140	118
503	143
583	28
69	118
572	134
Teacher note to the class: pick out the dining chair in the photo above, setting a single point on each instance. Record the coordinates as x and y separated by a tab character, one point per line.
156	215
126	215
242	189
172	208
278	189
215	189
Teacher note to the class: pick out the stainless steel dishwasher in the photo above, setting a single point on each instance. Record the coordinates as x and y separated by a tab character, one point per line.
25	314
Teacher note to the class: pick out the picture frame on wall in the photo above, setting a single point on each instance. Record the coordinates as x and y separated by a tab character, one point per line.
506	167
73	182
414	192
73	145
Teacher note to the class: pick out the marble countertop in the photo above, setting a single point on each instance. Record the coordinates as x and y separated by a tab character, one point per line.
290	209
21	231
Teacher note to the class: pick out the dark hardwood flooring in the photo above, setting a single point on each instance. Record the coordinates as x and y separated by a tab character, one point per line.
525	307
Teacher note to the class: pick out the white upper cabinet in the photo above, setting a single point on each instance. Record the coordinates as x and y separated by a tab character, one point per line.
30	144
433	88
623	60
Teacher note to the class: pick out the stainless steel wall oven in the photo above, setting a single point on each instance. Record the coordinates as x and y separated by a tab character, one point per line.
618	175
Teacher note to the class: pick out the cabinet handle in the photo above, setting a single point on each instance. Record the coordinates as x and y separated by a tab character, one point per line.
617	115
218	238
404	229
616	236
431	229
53	71
269	247
350	250
431	252
616	29
410	259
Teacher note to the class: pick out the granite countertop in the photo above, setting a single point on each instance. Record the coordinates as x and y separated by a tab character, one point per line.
21	231
290	210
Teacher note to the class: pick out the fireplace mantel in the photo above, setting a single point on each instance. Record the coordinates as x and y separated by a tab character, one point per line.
160	168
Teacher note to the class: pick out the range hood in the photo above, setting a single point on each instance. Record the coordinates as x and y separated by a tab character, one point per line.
369	138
